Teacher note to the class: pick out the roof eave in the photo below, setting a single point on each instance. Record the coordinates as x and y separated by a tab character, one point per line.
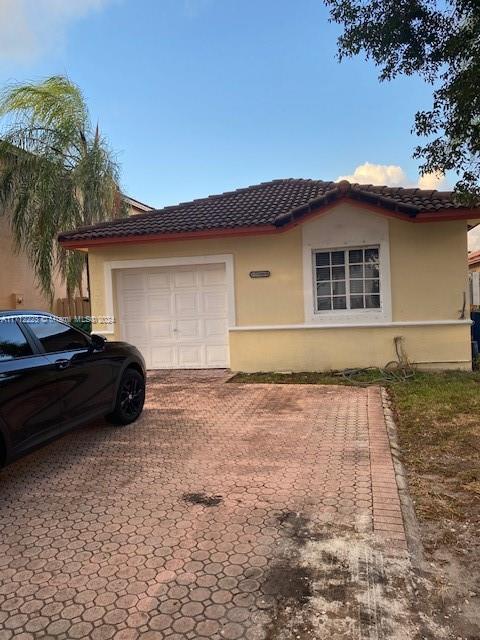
163	237
297	217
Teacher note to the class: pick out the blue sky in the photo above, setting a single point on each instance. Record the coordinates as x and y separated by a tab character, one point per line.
202	96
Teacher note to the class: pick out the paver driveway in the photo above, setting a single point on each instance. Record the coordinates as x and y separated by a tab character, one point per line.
177	526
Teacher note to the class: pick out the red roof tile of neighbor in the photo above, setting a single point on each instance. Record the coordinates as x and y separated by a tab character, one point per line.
474	257
269	205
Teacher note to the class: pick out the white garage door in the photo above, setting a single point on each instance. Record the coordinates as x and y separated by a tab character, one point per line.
176	316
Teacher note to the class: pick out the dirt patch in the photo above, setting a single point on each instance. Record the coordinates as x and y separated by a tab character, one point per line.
332	582
289	586
297	528
289	581
203	499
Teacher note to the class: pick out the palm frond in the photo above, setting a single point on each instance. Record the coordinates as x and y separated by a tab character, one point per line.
56	173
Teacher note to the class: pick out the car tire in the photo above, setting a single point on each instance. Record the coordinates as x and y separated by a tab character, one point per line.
130	398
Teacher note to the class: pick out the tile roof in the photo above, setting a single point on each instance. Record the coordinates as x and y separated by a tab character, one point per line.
474	257
272	203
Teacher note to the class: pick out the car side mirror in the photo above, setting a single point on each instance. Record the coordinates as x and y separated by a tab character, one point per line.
97	341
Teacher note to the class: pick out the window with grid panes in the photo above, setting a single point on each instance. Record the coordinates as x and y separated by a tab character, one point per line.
347	279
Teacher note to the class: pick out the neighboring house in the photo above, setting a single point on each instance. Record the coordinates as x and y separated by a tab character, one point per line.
135	206
288	275
18	288
474	261
474	268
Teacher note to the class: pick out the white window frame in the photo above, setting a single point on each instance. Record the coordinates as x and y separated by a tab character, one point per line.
346	265
347	316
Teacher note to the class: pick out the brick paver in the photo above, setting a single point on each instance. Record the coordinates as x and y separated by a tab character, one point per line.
170	527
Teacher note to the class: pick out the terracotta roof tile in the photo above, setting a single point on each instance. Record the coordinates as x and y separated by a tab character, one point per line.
474	257
269	203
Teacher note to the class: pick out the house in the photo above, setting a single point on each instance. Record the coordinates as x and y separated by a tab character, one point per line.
474	261
474	269
18	288
288	275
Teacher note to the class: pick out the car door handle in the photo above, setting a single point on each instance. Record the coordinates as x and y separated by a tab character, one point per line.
62	364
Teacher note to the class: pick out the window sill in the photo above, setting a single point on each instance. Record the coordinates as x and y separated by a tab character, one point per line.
352	325
367	316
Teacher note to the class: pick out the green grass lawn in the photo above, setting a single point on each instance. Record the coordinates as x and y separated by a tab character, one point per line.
438	421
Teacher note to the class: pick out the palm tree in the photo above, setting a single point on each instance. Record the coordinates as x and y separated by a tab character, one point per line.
56	173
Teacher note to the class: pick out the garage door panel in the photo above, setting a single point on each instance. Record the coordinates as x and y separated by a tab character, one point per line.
136	331
160	329
176	316
185	278
159	280
210	277
216	355
214	327
162	358
190	355
187	329
215	302
132	281
134	304
186	302
160	305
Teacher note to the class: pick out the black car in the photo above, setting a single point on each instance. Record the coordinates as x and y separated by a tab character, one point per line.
54	377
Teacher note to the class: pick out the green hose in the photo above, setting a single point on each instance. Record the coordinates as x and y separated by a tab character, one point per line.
393	372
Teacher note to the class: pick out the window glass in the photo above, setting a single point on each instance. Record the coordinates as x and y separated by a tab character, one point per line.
13	343
338	288
338	257
56	336
372	302
323	259
338	273
355	256
371	255
323	274
347	279
356	286
324	289
340	302
324	304
371	271
356	302
356	271
372	286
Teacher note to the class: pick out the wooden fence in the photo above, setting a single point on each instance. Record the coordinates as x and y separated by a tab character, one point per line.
77	307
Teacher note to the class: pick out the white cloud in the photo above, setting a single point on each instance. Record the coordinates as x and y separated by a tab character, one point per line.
392	175
29	28
432	181
380	174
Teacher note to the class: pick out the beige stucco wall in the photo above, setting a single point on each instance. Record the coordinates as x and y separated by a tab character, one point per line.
428	264
432	347
17	276
428	269
278	299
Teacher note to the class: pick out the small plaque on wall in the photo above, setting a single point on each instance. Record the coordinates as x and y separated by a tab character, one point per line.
260	274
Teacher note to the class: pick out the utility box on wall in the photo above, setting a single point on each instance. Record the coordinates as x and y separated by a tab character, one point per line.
17	300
